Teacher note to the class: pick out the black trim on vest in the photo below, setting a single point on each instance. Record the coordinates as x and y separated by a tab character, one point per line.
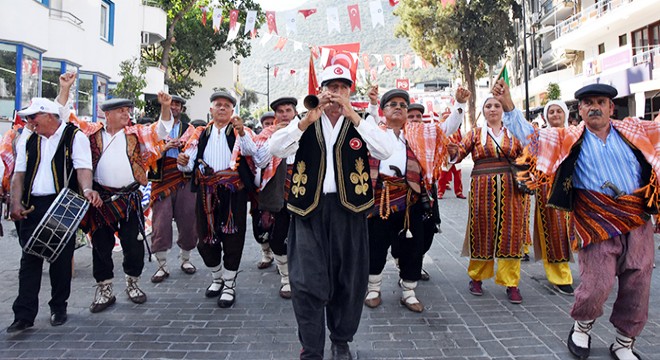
354	186
157	174
244	172
33	158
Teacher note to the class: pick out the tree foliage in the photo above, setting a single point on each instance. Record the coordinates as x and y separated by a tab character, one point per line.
465	36
190	47
553	92
133	81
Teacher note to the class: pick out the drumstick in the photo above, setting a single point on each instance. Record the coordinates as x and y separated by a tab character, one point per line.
27	211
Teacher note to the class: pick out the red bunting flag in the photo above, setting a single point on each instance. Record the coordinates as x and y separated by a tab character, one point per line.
394	2
280	43
447	2
313	81
233	17
354	17
307	12
389	62
365	61
275	71
407	60
204	10
18	120
342	54
315	51
272	25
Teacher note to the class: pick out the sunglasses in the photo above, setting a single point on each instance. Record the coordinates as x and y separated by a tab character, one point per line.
33	116
395	104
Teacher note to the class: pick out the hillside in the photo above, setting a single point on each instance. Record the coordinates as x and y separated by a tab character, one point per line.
314	31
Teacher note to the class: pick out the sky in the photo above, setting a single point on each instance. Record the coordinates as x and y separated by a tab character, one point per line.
280	5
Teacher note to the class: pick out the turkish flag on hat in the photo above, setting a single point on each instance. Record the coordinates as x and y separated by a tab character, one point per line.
342	54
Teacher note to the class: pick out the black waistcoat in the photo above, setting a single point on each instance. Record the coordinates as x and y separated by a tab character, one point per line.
561	194
244	171
354	188
62	162
157	174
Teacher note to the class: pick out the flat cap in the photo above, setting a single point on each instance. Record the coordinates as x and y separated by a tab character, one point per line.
224	95
266	115
416	106
393	94
596	90
283	101
178	98
116	103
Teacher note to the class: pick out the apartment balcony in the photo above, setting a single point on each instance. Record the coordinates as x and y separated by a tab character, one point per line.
154	23
556	11
604	18
555	59
155	78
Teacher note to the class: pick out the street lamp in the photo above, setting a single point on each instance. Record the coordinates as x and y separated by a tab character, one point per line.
526	68
268	67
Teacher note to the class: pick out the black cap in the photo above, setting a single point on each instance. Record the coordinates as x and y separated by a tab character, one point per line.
116	103
224	95
418	107
178	98
392	94
596	90
198	122
283	101
266	115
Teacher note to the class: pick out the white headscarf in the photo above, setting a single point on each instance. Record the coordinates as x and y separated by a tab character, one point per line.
484	125
559	103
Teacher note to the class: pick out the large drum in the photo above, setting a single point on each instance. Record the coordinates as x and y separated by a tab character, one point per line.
58	225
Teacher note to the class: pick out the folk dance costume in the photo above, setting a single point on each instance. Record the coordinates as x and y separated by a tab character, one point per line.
402	202
44	163
331	191
609	206
222	178
497	222
261	226
172	198
120	162
452	171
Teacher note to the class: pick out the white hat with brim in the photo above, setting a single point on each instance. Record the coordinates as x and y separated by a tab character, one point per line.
336	72
40	105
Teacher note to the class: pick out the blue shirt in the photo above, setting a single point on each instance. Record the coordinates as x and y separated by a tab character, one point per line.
599	161
174	133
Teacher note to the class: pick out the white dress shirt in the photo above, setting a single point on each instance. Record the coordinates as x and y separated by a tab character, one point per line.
217	153
285	143
44	183
398	158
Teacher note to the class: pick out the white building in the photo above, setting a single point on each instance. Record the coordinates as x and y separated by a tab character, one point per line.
40	39
574	43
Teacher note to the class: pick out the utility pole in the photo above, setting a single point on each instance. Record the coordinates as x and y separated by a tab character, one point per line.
268	67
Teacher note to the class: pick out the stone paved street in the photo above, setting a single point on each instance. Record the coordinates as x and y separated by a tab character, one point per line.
178	322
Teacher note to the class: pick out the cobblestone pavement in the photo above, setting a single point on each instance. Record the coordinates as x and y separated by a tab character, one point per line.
178	322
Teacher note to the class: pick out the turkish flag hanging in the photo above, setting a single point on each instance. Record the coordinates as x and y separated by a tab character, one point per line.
394	2
403	84
272	25
313	81
389	62
280	43
342	54
365	61
275	71
307	12
233	17
204	10
354	16
315	51
407	60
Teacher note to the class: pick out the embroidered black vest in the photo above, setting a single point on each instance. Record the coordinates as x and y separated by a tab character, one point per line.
62	162
157	174
354	187
561	194
244	171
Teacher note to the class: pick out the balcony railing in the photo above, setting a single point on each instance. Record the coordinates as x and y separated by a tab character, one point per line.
646	56
64	15
595	11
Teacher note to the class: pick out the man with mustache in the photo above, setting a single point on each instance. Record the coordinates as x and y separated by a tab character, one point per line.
605	174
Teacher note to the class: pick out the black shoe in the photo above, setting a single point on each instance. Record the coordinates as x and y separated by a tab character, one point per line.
564	289
213	293
341	351
525	258
579	352
57	319
19	325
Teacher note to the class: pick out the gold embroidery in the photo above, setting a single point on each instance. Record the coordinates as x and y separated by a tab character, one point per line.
568	184
299	179
360	178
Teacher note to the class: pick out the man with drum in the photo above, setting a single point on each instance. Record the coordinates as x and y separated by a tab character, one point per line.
121	154
52	152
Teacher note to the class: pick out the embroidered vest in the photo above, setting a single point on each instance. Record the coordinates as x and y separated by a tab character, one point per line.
354	186
244	171
132	151
62	162
561	193
156	175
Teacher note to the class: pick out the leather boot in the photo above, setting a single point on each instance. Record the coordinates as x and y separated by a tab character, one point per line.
135	294
103	297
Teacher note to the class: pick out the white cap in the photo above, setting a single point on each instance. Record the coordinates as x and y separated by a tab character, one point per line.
40	105
336	72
